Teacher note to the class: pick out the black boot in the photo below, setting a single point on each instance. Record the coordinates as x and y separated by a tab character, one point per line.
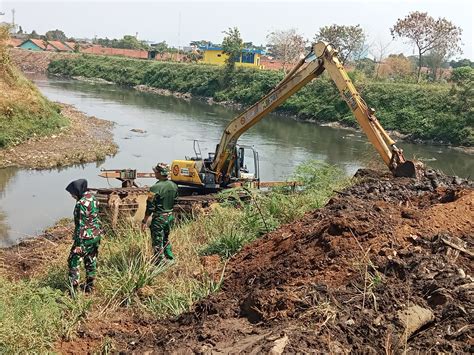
89	286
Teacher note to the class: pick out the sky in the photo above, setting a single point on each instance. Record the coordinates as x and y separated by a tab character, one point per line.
179	22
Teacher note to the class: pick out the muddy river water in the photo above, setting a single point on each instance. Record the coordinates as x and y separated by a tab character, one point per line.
32	200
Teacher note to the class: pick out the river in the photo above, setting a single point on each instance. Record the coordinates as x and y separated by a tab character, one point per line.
32	200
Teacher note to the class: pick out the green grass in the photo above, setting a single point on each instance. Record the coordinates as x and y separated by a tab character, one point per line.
422	111
24	112
33	317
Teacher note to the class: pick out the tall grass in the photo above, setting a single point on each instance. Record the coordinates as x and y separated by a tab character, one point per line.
35	313
24	111
32	317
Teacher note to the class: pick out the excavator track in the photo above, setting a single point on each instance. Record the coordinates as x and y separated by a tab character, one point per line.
128	204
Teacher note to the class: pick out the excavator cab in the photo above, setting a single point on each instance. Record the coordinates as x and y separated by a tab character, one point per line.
244	173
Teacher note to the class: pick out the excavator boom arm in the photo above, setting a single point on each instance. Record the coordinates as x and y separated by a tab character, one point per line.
295	80
322	57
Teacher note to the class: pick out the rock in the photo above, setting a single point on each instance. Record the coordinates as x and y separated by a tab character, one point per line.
137	130
413	318
279	346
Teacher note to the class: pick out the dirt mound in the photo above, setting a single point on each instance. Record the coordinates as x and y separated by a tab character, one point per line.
35	62
385	266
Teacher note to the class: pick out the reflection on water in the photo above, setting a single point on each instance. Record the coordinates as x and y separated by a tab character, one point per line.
6	176
171	125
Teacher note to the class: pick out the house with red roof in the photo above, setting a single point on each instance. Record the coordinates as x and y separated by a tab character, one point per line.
43	45
14	42
57	46
34	45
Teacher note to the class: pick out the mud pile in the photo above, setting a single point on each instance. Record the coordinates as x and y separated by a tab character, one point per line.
385	266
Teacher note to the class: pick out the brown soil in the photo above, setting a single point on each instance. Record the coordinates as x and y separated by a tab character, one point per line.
335	281
86	139
35	62
31	257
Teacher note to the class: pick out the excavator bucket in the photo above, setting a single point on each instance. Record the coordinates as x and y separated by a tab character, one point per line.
408	169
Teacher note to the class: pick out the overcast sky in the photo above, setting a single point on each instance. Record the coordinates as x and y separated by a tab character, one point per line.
180	22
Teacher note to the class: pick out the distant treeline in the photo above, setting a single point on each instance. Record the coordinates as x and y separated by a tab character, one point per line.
428	112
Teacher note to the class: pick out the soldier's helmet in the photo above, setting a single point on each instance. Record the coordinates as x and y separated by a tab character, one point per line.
162	168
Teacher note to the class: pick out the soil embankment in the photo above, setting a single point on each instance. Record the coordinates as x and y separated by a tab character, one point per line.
349	277
36	62
30	257
86	139
385	266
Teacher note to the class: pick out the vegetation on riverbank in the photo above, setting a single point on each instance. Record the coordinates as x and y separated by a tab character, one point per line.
437	112
129	285
24	112
86	139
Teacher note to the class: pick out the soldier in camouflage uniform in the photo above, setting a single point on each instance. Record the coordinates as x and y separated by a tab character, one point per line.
161	199
87	234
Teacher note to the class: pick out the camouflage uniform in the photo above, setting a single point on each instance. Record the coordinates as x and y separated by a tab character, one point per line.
161	199
87	234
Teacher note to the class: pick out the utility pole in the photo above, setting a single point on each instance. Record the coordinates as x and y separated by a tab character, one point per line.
13	19
179	35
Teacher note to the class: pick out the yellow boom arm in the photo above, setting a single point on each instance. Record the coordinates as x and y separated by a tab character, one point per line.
322	57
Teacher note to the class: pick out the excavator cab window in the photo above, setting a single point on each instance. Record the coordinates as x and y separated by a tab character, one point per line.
244	171
241	157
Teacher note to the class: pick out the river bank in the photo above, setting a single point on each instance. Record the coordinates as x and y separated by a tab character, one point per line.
85	139
321	281
415	120
396	135
422	112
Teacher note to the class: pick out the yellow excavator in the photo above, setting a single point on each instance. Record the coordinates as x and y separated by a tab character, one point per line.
198	176
225	167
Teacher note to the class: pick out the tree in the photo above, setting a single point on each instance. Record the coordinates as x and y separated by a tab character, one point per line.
201	43
131	42
428	34
462	75
397	66
379	50
161	48
20	30
55	35
250	45
286	46
348	40
461	63
34	35
232	45
127	42
435	60
366	66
